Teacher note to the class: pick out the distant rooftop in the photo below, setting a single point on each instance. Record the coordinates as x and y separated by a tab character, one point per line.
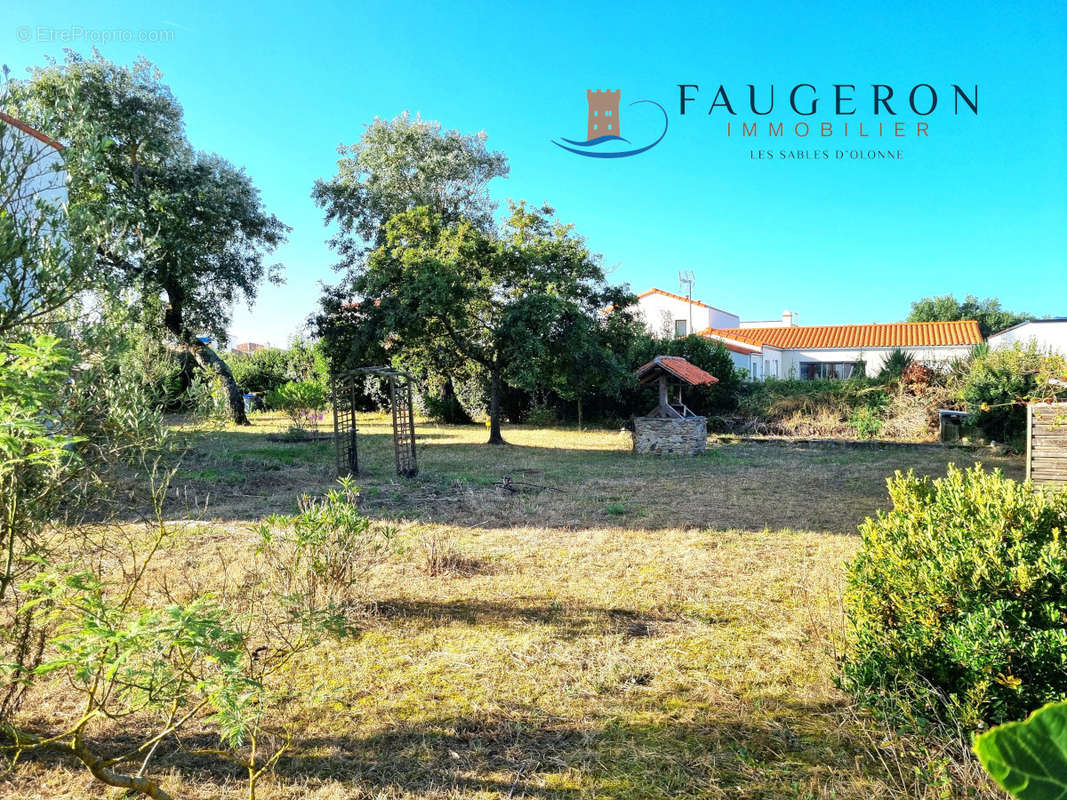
892	334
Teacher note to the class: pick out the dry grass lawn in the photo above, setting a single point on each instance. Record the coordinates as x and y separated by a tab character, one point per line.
610	626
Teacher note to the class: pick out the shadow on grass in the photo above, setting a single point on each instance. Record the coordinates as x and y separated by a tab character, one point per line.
566	620
748	485
800	751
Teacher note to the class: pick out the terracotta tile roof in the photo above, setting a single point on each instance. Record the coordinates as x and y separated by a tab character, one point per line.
36	134
893	334
734	348
683	298
676	367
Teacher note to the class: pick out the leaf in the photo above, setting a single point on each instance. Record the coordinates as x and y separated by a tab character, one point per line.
1029	759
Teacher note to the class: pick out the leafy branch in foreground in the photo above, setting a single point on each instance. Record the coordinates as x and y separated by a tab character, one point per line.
1029	759
141	653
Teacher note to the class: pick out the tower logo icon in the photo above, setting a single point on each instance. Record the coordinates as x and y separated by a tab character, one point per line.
603	113
604	128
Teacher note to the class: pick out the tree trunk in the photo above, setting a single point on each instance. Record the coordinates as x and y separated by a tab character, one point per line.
210	361
494	409
456	413
579	412
206	358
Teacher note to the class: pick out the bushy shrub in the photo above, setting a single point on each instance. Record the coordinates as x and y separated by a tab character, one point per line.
302	401
895	365
260	371
957	601
542	416
996	385
866	422
917	378
322	554
828	407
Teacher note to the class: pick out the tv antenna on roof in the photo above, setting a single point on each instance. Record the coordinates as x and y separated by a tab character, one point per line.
686	278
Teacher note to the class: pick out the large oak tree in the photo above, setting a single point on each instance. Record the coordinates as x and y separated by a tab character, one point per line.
395	166
506	299
179	225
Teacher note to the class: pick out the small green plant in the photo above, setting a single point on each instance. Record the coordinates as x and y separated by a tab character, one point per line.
896	363
957	600
302	401
866	422
1028	759
542	416
321	554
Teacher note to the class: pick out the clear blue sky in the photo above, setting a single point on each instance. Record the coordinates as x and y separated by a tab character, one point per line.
979	207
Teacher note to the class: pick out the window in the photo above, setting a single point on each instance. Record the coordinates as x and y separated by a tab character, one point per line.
815	370
679	327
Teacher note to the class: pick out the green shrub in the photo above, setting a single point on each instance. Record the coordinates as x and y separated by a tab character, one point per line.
834	407
320	556
957	601
260	371
303	401
542	416
895	365
866	422
996	384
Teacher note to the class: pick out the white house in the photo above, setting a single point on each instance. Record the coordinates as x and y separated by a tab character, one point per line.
839	351
31	168
666	314
1050	335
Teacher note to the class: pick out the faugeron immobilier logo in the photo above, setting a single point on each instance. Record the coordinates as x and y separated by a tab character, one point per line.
847	121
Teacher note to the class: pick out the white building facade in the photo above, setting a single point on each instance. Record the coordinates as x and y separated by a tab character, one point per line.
1049	335
35	162
671	315
810	352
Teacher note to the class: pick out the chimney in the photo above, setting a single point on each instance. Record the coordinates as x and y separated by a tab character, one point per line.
787	318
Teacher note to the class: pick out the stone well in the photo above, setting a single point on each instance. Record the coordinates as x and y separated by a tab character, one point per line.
681	436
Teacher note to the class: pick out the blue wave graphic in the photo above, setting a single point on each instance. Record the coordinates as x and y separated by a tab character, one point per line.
596	141
603	139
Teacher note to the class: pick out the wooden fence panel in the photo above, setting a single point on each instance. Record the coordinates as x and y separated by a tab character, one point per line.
1046	442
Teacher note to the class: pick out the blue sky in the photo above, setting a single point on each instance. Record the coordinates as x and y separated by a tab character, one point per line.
979	206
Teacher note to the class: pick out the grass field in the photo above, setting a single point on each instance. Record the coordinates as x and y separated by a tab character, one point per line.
609	626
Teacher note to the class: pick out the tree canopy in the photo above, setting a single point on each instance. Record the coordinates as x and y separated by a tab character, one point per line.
173	222
401	164
989	314
504	299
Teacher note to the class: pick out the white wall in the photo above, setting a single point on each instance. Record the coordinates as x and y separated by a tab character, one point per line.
39	162
1049	336
774	363
660	311
717	318
873	356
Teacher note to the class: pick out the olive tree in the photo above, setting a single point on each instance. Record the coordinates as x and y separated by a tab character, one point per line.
501	299
172	222
395	166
